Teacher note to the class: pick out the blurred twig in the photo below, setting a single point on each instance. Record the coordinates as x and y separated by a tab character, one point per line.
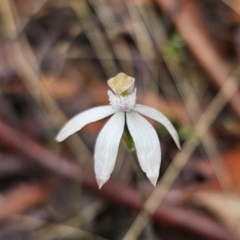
113	30
180	160
189	97
197	39
30	75
213	64
192	104
38	6
125	195
95	37
233	4
48	230
54	231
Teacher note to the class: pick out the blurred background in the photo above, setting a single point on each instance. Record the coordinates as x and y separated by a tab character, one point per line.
55	59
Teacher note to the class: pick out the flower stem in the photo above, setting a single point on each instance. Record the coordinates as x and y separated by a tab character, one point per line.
140	177
143	195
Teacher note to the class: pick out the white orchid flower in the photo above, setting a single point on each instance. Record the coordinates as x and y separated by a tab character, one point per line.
124	109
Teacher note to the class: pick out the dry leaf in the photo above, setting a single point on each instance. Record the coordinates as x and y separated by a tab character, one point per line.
225	207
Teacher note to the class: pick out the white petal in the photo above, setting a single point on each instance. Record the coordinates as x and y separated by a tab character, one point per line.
158	116
106	148
146	143
82	119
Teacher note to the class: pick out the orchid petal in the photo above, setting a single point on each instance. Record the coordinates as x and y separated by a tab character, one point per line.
82	119
146	143
106	148
158	116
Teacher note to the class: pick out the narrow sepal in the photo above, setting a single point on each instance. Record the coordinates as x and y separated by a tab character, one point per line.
82	119
146	143
106	148
159	117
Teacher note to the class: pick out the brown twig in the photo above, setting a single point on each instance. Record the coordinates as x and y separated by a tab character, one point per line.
167	213
190	25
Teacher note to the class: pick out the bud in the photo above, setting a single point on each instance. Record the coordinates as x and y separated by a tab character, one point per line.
122	84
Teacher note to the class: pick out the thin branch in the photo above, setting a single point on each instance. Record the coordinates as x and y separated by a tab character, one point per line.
167	213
